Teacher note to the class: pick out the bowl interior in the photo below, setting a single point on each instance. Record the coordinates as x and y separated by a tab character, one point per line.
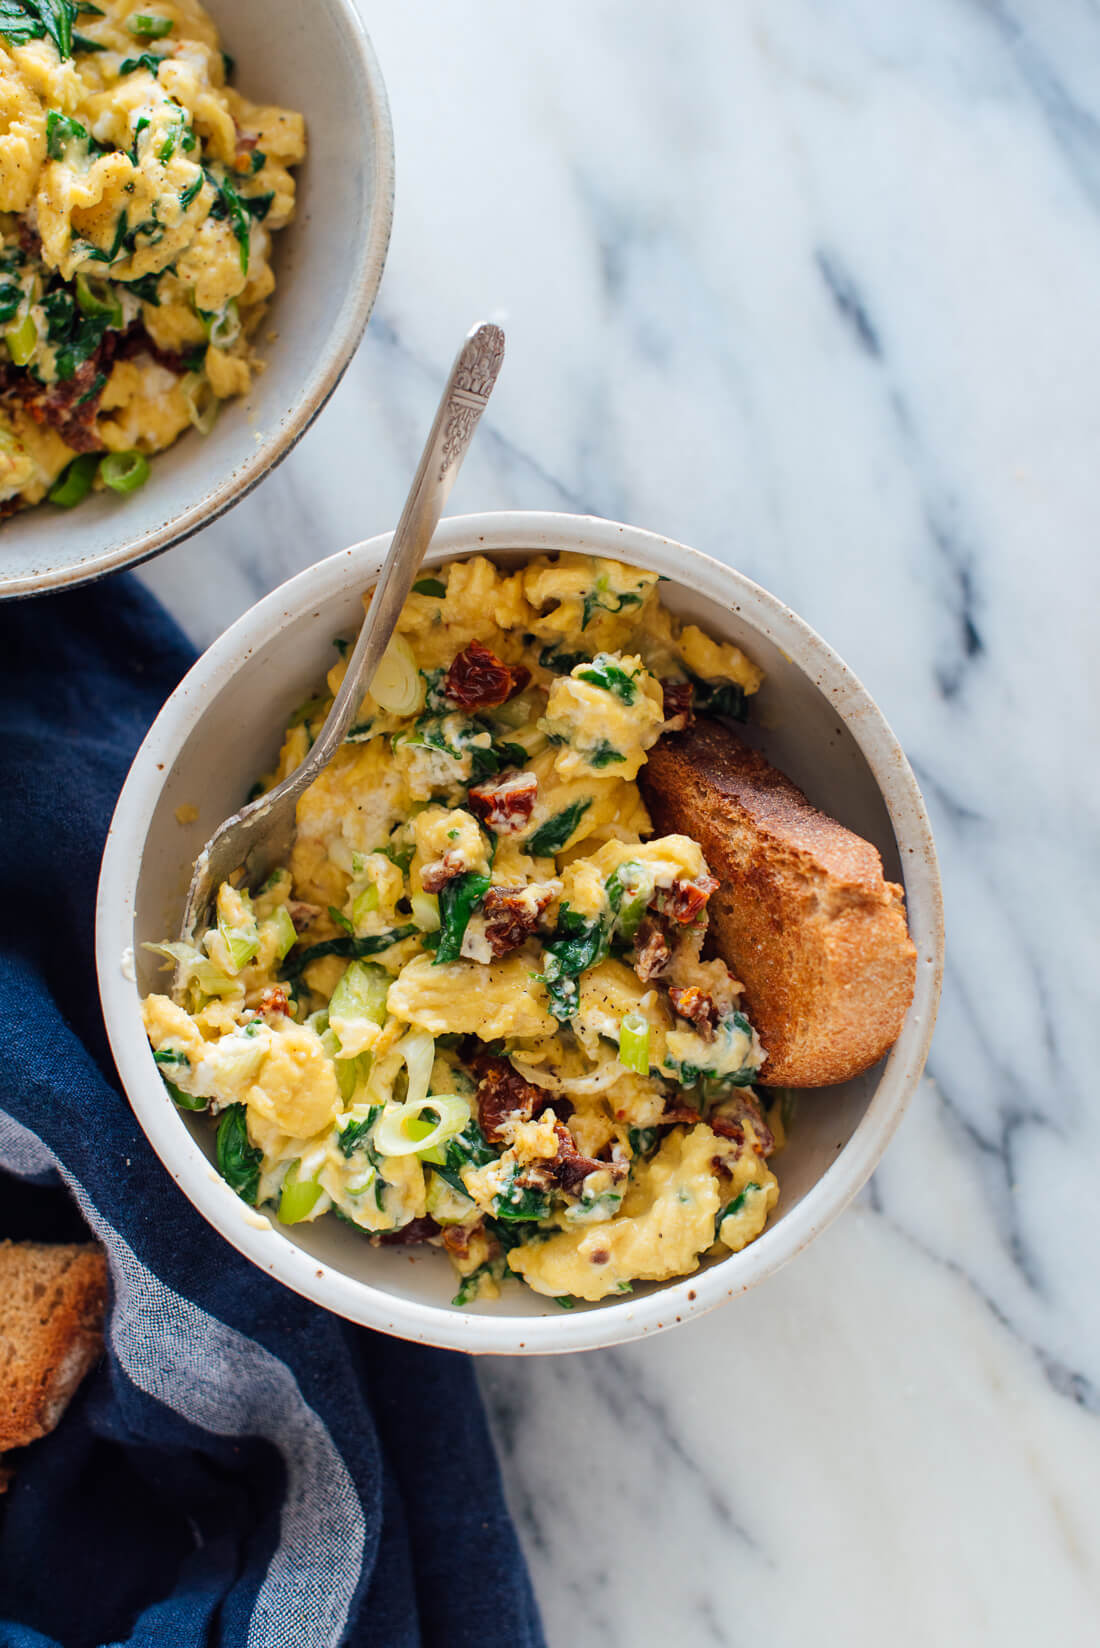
328	264
238	735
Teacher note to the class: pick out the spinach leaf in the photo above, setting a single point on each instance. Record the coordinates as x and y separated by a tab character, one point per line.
552	836
258	162
430	586
562	663
59	309
231	207
146	288
354	949
182	1100
643	1140
456	905
258	206
172	1056
733	1207
511	755
24	20
355	1133
577	944
190	190
81	42
601	599
603	754
147	60
238	1160
61	130
719	698
511	1234
470	1285
81	345
469	1149
516	1205
116	245
10	299
603	672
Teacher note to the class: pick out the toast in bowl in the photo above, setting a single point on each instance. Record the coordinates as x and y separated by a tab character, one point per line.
803	916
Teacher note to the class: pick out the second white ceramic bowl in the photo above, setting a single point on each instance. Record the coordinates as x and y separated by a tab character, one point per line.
223	725
328	263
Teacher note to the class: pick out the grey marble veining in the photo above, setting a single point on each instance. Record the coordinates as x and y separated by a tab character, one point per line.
811	285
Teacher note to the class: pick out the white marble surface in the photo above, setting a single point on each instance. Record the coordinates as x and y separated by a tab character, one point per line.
810	284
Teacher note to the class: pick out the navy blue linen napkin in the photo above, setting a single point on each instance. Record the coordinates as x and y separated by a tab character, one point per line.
243	1468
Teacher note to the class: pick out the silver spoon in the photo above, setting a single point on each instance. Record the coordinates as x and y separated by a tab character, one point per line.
260	837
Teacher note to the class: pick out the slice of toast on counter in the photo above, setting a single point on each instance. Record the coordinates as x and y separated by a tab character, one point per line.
803	916
52	1304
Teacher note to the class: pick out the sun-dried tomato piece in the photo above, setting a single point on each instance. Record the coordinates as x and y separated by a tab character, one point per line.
652	952
512	914
729	1123
571	1168
677	697
435	875
680	1115
417	1230
456	1239
506	804
697	1007
477	679
684	901
273	999
503	1095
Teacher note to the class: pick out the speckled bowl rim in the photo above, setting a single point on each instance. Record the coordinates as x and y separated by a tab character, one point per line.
339	351
678	1301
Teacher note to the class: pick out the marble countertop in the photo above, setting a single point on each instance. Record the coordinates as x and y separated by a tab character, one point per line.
810	285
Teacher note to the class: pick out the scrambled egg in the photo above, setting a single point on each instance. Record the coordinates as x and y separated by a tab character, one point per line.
138	195
474	1008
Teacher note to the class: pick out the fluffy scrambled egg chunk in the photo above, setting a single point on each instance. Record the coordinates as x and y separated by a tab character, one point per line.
138	195
473	1008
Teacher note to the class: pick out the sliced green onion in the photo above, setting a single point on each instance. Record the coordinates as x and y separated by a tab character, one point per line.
364	905
445	1204
360	994
425	911
184	1101
22	340
203	405
397	686
298	1197
98	297
285	935
417	1048
75	481
124	471
400	1131
351	1073
145	25
225	328
241	942
634	1043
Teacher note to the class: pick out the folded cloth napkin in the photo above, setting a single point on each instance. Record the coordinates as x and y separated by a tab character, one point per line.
244	1468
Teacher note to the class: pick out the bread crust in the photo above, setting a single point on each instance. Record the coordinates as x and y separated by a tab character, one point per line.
52	1305
803	916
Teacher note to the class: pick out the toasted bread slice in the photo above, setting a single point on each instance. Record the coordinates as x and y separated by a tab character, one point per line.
803	917
52	1303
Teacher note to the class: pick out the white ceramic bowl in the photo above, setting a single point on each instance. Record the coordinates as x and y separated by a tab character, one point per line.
328	264
224	724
